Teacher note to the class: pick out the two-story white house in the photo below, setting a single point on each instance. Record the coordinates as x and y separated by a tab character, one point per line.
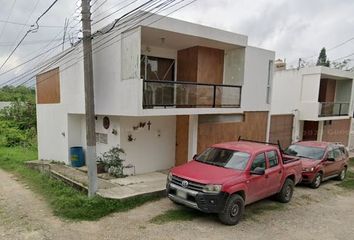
312	103
164	91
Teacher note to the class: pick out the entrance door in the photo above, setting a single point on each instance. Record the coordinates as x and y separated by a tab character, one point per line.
182	131
310	131
281	129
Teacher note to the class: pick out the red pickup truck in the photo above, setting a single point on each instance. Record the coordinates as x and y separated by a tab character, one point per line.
320	160
228	176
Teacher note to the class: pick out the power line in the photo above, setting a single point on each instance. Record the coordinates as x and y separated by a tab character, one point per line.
28	18
34	42
99	6
352	54
28	25
8	17
45	52
332	48
341	44
95	43
97	48
115	11
28	32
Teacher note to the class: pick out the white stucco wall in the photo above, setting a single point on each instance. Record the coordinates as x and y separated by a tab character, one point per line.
152	149
52	119
285	101
52	133
113	95
254	90
113	139
58	124
234	66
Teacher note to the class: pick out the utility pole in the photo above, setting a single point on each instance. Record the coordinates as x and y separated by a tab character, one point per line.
89	99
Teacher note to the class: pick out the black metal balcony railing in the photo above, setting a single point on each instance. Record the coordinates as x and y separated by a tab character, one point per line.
328	109
190	94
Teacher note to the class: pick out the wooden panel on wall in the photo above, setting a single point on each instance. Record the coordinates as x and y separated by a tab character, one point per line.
327	90
187	64
182	131
281	128
210	65
202	65
254	127
48	87
336	131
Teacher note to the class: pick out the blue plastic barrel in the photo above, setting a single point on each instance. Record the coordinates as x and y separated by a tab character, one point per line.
77	156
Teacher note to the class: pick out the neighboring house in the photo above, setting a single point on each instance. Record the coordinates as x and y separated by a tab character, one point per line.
4	105
311	103
163	92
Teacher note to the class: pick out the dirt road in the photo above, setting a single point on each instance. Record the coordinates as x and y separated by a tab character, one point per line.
326	214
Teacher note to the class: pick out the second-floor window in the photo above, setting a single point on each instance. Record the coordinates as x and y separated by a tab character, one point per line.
155	68
269	81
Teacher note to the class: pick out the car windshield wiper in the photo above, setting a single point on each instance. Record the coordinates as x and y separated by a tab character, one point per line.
213	163
300	156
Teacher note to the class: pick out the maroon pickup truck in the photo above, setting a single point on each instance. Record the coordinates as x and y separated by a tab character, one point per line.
320	160
228	176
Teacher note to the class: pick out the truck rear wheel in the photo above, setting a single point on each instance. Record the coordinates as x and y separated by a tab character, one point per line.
233	210
342	174
286	192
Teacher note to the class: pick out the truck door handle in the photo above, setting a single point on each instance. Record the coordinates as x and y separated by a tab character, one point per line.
280	172
266	176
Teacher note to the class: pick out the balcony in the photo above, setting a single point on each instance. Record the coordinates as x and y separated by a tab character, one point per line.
177	94
329	109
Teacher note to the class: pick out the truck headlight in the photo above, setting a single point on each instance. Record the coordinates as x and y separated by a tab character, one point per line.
169	177
308	169
212	188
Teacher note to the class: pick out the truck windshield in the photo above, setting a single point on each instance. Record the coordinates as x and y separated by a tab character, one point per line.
305	151
224	158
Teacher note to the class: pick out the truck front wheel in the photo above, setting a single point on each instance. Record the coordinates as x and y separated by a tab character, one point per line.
286	191
233	210
316	181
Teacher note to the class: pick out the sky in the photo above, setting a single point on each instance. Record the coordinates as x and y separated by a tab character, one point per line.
292	29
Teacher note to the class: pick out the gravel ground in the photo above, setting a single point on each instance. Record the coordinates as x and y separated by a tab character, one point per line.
326	214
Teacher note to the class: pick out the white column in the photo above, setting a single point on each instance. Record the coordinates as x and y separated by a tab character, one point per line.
192	136
320	131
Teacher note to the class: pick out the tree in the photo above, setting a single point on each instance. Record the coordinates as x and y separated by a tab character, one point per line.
20	93
322	59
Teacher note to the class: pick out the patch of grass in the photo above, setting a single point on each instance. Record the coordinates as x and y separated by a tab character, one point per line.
351	162
65	201
181	214
261	207
348	182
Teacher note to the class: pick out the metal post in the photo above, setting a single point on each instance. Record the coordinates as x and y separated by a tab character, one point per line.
89	99
214	96
340	109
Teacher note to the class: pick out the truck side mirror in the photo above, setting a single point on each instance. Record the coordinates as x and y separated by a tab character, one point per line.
330	159
195	156
258	171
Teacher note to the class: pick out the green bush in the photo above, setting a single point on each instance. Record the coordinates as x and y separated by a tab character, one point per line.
18	124
113	161
20	93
